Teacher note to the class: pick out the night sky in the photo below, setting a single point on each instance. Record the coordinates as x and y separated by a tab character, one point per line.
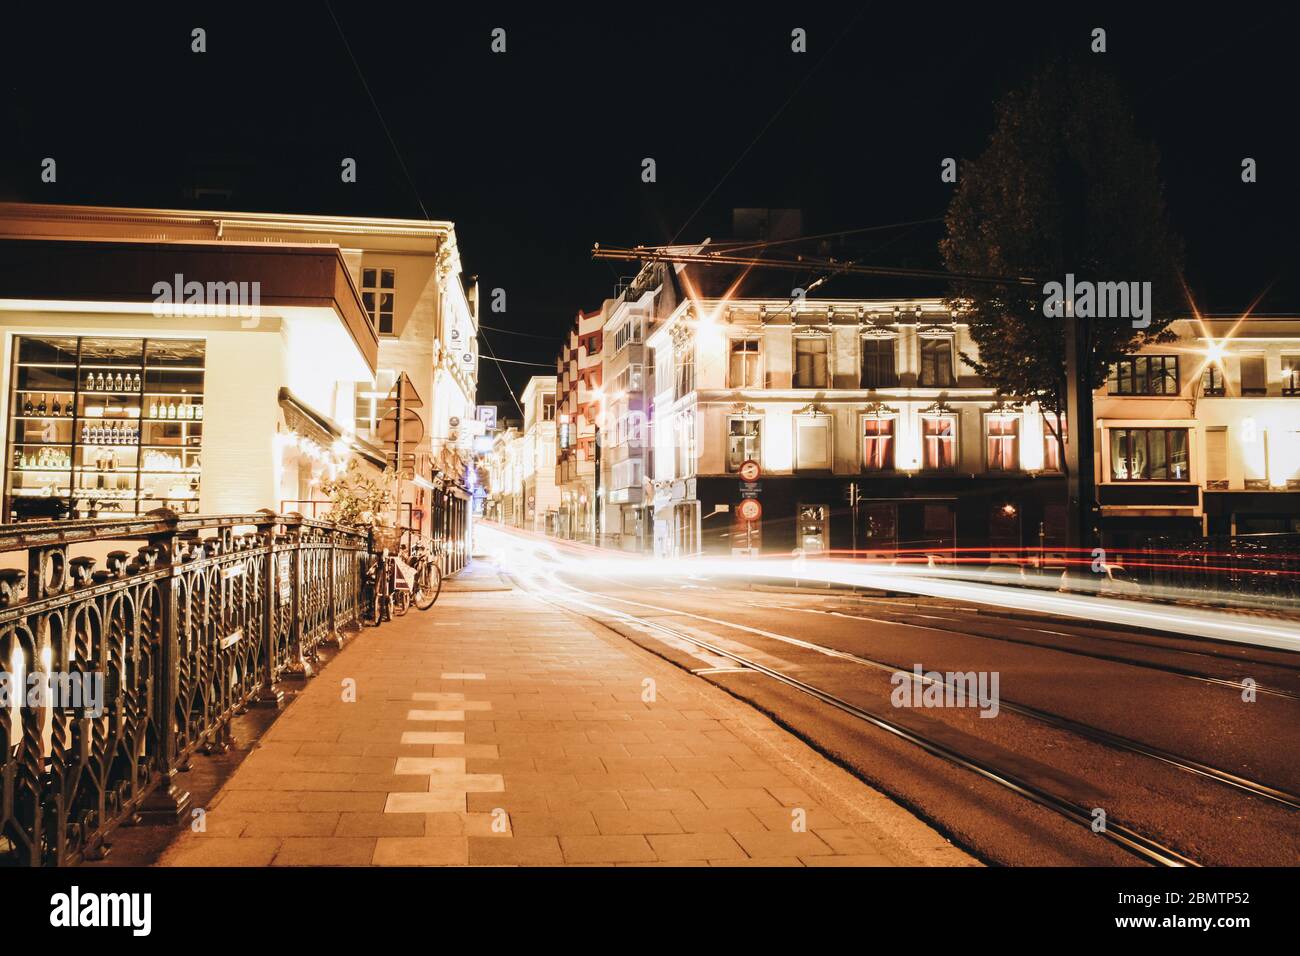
536	154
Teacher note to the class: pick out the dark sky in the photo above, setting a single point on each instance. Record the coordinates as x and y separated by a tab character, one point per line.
536	154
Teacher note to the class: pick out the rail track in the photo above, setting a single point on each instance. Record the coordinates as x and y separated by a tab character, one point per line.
1127	838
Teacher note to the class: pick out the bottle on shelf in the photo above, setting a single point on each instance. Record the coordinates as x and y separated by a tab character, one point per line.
85	433
121	385
90	381
28	408
99	382
136	385
42	408
56	409
198	413
153	408
171	410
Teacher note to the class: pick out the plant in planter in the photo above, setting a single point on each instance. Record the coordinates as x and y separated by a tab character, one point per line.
358	500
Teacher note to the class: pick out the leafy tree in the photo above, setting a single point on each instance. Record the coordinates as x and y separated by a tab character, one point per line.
1066	185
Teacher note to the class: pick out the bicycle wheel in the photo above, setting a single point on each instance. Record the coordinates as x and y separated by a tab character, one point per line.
428	585
401	601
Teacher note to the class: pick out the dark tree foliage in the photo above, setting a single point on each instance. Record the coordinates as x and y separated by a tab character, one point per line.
1066	185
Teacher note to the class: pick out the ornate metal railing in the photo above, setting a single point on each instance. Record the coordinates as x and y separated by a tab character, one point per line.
193	628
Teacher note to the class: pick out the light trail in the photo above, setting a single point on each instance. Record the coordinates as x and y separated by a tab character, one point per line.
533	555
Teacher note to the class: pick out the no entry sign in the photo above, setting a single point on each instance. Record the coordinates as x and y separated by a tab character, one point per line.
749	470
749	510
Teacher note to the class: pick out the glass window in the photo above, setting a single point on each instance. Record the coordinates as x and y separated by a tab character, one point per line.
1212	383
1291	374
878	444
378	296
742	372
548	408
1254	378
104	426
936	361
939	443
1148	454
685	373
879	366
685	448
1002	438
810	362
1144	375
742	442
1051	447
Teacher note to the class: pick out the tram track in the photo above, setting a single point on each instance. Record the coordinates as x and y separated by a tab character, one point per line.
1127	838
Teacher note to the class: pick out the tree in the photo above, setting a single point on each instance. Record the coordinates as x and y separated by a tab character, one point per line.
1065	186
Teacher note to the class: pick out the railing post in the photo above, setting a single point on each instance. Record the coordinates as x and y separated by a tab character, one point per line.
335	636
298	667
268	695
168	802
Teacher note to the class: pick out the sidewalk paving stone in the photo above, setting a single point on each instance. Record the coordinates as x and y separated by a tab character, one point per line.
498	730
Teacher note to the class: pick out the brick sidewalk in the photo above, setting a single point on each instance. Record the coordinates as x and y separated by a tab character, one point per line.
496	729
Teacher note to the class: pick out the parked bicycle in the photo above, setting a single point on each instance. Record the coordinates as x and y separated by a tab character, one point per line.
417	580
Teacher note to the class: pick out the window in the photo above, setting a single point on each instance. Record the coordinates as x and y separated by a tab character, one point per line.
742	372
685	373
878	444
685	447
810	362
377	295
1254	380
104	427
936	361
548	408
879	368
1212	384
1144	375
1051	448
1148	454
373	402
1002	441
1291	374
813	442
629	333
742	442
813	528
939	443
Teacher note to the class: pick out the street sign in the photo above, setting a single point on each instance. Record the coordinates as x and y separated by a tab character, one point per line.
487	414
749	470
749	510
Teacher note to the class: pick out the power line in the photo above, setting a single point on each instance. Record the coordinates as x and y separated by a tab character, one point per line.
509	387
366	86
516	361
531	335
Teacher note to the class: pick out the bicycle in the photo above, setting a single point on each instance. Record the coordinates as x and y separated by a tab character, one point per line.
425	584
378	591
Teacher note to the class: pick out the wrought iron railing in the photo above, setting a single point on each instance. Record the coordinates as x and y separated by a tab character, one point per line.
1264	566
195	626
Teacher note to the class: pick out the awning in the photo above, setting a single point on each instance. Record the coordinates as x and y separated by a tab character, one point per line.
304	419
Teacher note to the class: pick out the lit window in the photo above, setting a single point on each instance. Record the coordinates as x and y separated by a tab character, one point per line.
1144	375
939	441
548	408
1291	374
1002	436
877	444
1052	448
1254	377
378	291
1148	454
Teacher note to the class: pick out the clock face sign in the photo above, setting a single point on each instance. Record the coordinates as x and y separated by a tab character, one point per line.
749	510
749	470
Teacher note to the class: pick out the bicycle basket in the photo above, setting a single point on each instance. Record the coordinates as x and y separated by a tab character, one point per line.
387	539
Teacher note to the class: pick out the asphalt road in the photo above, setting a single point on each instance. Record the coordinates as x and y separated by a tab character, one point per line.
1061	685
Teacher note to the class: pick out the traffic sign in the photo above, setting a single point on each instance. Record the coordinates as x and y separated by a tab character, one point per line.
749	510
749	470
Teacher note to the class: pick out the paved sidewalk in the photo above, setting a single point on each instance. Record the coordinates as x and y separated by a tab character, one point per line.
496	729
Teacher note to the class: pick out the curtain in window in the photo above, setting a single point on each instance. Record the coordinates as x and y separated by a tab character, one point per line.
939	438
878	444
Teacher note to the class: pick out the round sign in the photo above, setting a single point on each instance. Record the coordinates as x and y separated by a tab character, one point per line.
750	510
749	470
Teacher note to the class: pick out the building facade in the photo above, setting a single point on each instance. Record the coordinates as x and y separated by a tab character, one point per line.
142	343
624	418
1200	435
579	393
868	430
